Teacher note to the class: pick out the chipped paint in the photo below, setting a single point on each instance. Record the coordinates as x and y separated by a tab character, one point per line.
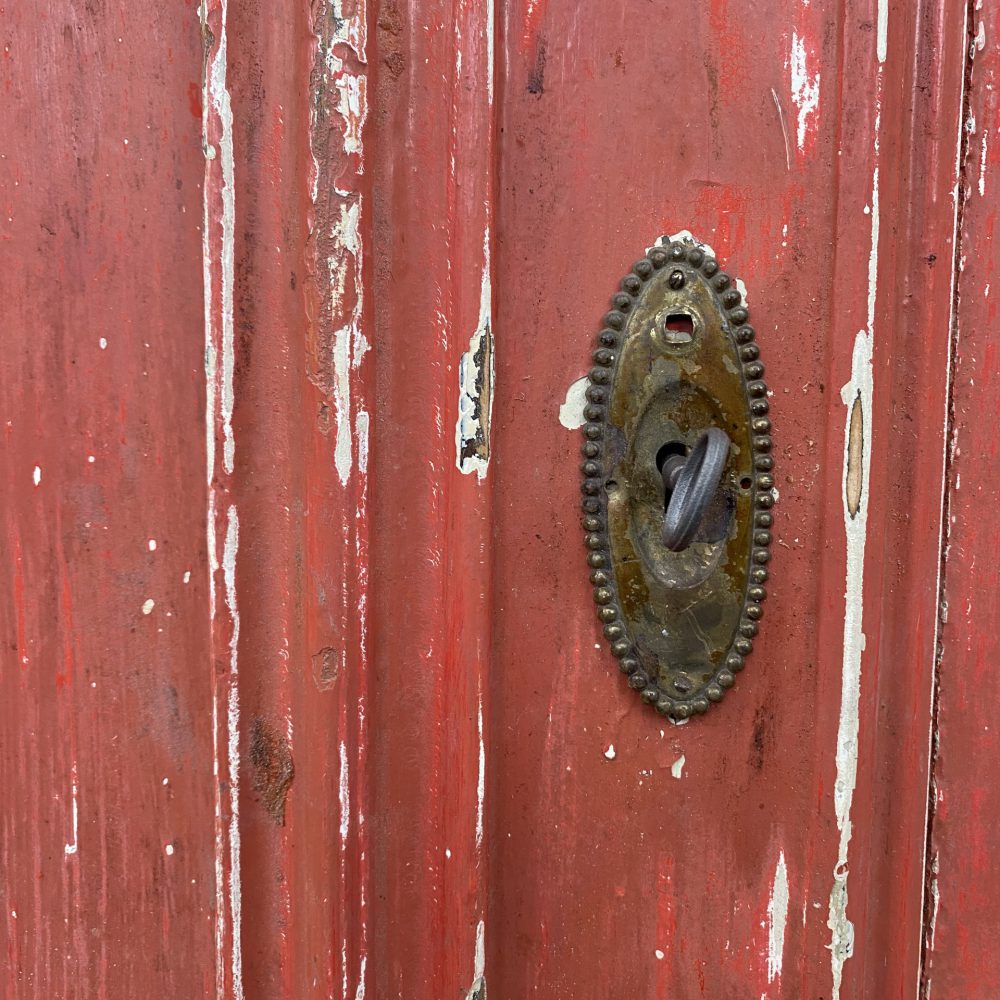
481	781
233	720
475	384
218	94
805	88
74	845
982	163
571	410
349	343
342	245
858	389
677	768
777	917
882	30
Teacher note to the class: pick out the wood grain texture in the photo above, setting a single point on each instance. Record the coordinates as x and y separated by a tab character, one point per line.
106	838
962	958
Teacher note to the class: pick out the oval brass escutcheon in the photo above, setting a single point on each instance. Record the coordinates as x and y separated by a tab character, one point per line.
675	358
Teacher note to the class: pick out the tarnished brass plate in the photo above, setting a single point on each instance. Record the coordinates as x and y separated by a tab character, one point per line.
676	356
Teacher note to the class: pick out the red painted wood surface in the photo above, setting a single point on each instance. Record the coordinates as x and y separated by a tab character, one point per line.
302	691
962	955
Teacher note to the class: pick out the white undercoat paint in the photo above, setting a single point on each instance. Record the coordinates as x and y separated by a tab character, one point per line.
219	95
475	380
677	768
777	917
233	720
805	88
571	410
858	389
74	846
882	30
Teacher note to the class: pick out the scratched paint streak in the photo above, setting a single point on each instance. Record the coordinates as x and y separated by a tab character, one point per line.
777	917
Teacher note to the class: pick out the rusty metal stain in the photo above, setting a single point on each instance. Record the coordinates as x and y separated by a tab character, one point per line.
675	357
272	768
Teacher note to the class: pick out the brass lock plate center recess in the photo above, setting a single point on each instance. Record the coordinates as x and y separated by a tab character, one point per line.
676	364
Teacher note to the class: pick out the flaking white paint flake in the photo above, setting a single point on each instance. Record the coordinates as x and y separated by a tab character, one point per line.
777	917
571	410
805	88
475	383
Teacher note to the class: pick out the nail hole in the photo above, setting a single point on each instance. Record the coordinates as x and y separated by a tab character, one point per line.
745	483
678	328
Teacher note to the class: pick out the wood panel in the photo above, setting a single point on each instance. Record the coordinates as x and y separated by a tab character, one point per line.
775	846
961	958
107	871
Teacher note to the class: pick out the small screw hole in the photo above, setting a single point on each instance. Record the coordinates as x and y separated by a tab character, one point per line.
745	483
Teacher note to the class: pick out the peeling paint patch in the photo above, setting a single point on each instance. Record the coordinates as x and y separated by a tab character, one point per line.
571	411
475	384
777	917
336	144
478	990
677	768
805	89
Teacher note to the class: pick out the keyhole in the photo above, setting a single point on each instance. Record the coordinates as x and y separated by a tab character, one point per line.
678	329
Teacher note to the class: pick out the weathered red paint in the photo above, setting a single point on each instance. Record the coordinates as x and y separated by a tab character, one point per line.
264	779
963	959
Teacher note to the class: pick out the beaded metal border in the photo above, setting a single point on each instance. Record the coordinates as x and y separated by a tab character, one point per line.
595	501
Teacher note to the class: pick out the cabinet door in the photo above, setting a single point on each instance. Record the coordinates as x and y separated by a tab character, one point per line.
302	692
